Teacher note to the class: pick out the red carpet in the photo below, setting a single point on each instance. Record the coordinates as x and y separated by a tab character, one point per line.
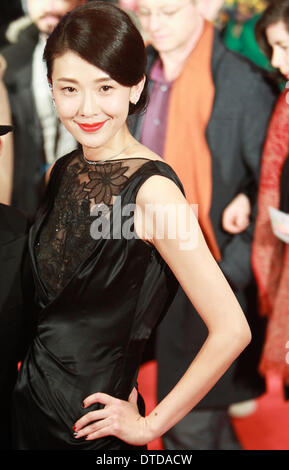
265	429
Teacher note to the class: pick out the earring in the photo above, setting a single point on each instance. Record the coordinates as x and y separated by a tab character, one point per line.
135	100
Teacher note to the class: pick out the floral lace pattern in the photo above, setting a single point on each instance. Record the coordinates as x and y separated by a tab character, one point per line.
105	182
65	240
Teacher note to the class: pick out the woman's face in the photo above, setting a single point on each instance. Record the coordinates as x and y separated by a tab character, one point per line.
91	105
278	38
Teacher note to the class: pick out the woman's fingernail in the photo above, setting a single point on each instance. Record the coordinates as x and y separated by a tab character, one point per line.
74	427
83	405
75	434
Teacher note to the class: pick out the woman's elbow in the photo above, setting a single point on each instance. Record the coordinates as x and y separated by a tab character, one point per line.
243	335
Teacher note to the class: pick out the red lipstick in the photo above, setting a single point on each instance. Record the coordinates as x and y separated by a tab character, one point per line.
95	126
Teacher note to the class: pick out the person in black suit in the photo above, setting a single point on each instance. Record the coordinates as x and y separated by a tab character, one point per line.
38	137
15	290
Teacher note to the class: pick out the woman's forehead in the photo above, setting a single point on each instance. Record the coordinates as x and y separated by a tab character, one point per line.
73	65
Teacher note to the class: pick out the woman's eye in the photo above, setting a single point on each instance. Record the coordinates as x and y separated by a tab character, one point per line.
106	88
68	90
284	47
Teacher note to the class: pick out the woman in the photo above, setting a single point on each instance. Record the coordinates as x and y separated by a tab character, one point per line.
103	283
270	255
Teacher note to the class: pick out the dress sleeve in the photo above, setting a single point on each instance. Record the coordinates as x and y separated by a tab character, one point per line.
156	167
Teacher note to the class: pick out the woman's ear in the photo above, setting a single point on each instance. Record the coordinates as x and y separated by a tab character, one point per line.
51	89
136	90
50	85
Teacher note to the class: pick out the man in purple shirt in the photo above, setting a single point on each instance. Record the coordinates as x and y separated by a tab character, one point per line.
235	134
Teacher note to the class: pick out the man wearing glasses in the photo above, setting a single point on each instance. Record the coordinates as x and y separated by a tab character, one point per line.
207	117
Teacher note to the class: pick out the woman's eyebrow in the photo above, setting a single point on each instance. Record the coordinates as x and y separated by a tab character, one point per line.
72	80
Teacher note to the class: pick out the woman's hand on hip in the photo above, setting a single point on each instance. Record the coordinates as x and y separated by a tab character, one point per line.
118	418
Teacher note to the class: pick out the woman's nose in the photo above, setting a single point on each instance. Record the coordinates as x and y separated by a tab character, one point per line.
276	59
88	105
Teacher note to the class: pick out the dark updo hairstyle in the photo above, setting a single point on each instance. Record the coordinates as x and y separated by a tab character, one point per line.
105	36
278	10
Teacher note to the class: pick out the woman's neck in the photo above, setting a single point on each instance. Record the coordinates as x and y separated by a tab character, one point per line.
111	149
174	61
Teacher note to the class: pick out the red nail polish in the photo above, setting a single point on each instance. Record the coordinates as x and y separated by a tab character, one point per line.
74	427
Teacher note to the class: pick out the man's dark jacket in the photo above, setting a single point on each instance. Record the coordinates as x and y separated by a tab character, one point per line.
16	307
29	159
235	134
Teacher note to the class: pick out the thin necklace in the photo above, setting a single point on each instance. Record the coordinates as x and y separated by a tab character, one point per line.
96	162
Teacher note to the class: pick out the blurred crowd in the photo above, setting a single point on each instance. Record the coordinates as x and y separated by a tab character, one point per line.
242	132
20	28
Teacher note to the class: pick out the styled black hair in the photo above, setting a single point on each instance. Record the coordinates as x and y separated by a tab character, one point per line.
105	36
278	10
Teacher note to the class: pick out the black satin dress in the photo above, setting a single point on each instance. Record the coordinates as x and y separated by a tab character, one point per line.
100	292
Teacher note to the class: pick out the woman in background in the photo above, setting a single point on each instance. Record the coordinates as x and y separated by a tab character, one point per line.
270	255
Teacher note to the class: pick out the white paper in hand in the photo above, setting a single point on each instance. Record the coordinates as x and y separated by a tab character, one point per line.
280	224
